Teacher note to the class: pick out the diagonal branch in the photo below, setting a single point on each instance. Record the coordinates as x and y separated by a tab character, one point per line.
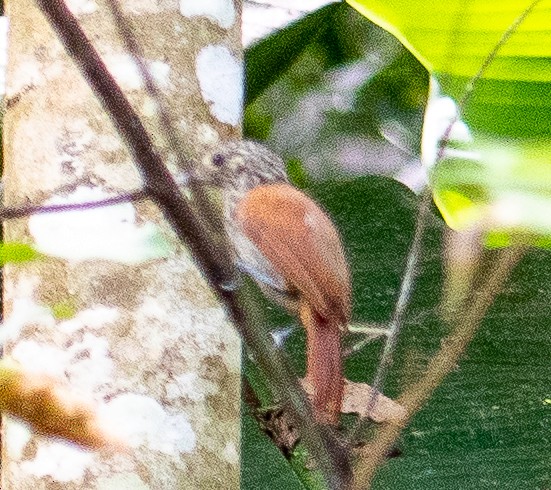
214	261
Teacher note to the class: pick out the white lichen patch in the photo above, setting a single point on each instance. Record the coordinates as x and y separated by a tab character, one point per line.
61	462
30	73
25	311
220	11
190	386
86	364
220	76
122	481
72	143
150	107
40	358
230	453
27	74
91	318
167	321
147	6
82	7
4	24
16	437
127	73
109	232
90	365
141	421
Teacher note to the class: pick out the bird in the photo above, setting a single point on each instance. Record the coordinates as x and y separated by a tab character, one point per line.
288	244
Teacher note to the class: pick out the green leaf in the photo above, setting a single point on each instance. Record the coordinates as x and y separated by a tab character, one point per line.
506	119
455	37
64	310
17	252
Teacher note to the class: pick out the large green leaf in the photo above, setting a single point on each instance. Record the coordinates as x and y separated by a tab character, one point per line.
488	425
507	116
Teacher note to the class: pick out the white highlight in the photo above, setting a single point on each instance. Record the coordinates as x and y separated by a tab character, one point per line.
109	232
82	7
16	437
220	11
62	462
220	76
441	112
127	74
141	421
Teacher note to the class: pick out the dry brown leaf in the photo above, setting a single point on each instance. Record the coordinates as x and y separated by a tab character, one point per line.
356	400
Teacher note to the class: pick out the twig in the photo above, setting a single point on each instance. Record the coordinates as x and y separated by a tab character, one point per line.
23	211
168	131
214	261
406	290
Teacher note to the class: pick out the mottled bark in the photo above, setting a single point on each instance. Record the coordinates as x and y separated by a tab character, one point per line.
148	343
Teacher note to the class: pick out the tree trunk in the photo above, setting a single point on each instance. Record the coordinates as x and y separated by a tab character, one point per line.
147	343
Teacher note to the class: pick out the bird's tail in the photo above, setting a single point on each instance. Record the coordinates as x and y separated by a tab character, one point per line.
324	370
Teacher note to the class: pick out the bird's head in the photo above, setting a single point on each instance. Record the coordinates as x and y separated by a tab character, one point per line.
242	165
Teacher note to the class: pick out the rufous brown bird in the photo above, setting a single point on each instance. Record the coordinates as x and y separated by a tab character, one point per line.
289	245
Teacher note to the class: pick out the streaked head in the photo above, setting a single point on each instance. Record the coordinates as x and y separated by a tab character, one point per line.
243	165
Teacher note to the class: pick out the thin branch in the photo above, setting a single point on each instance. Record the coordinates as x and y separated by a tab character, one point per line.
214	261
23	211
469	88
406	287
445	361
404	297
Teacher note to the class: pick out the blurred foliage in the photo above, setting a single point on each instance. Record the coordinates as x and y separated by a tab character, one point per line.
507	140
330	78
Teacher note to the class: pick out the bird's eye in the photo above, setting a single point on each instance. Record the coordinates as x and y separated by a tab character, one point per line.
218	160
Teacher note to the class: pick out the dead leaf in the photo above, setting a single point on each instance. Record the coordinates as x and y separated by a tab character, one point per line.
356	400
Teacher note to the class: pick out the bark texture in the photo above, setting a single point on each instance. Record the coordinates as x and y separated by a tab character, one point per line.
147	343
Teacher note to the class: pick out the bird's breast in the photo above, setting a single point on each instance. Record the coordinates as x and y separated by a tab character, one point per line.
250	260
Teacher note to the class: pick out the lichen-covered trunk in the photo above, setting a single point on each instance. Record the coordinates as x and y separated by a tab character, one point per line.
147	343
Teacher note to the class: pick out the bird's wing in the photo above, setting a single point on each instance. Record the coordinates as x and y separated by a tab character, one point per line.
301	243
